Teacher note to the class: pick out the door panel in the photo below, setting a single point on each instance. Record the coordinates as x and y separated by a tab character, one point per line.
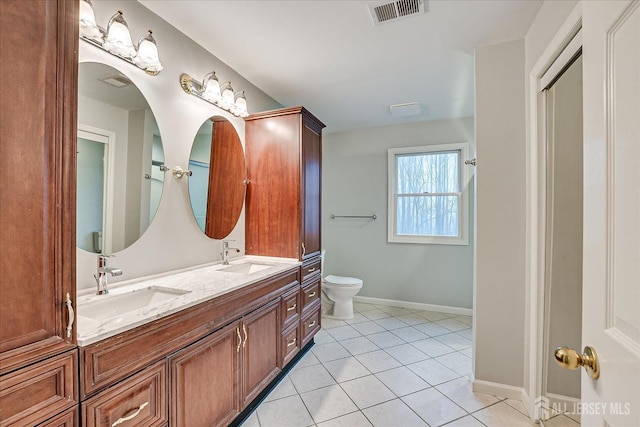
611	289
260	350
311	158
204	381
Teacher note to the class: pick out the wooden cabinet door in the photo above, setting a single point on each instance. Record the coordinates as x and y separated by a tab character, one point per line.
261	339
311	185
204	380
38	81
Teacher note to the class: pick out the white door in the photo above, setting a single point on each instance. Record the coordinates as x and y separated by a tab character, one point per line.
611	287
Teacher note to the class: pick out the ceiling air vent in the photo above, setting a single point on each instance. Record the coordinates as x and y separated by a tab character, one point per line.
391	11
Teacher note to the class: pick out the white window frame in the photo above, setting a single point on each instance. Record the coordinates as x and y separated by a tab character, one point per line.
465	175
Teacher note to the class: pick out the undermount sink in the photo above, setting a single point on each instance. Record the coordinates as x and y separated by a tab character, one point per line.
109	306
246	267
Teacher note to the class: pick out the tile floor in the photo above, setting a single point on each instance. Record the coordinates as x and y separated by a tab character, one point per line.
388	367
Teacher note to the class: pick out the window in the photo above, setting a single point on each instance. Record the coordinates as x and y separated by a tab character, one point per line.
428	196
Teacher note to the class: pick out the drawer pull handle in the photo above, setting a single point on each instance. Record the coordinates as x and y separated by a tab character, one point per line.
293	307
312	324
244	329
312	294
71	315
311	270
130	416
292	342
239	339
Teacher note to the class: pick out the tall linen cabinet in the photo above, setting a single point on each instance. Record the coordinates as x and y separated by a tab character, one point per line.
38	81
283	156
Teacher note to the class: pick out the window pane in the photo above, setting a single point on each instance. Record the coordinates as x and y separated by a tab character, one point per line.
427	215
428	173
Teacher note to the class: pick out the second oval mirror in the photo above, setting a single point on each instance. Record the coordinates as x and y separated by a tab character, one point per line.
217	186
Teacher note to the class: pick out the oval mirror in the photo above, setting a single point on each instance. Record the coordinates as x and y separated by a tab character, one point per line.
217	186
119	156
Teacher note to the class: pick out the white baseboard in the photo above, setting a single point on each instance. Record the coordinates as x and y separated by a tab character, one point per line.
503	390
415	305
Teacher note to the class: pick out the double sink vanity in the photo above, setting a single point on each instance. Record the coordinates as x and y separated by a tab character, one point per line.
157	351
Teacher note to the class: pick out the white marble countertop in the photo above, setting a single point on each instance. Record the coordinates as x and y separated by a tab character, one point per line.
199	284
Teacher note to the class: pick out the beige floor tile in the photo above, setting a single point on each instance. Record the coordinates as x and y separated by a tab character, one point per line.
410	334
467	421
252	421
329	351
357	318
432	347
393	414
311	378
362	307
378	361
518	406
284	388
367	391
307	360
433	372
561	421
327	403
461	392
368	328
502	415
375	314
467	333
354	419
432	316
402	381
452	324
385	339
346	369
433	407
406	354
323	337
395	311
432	329
328	323
456	362
412	319
287	412
464	319
391	323
455	341
343	333
359	345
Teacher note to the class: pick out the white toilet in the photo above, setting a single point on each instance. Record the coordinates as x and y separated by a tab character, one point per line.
337	294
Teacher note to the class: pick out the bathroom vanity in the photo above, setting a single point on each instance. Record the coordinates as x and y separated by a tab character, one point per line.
204	363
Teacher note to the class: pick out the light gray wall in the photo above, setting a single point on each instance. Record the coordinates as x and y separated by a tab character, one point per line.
354	182
500	178
173	239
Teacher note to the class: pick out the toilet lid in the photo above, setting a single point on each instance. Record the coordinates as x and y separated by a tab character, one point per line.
344	281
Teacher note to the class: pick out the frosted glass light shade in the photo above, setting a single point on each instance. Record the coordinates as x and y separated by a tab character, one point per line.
211	87
240	108
228	97
118	37
88	26
147	57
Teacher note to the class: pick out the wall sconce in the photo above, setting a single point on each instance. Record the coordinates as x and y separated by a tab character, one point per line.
220	96
116	40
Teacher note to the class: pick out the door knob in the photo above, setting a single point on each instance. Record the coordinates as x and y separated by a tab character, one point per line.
568	358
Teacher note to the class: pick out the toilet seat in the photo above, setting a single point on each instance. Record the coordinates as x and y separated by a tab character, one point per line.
342	281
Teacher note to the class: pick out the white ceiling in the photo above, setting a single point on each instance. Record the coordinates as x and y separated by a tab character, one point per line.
328	56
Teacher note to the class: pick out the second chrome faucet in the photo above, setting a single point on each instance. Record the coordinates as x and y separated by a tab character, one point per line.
225	251
101	274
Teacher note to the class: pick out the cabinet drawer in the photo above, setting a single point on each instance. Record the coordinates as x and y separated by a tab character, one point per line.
310	269
290	343
310	323
310	294
290	307
67	419
38	392
140	400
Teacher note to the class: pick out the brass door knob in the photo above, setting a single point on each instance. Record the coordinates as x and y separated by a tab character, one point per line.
568	358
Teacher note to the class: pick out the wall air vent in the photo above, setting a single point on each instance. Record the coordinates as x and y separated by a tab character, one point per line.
391	11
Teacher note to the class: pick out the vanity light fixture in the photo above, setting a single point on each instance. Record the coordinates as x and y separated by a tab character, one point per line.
220	96
116	40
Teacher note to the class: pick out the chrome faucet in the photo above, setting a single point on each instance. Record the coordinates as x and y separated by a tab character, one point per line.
103	270
225	251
